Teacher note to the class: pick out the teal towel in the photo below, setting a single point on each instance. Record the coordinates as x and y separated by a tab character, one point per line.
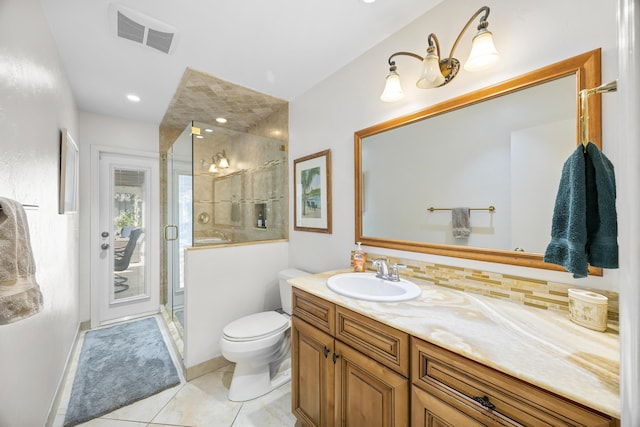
584	228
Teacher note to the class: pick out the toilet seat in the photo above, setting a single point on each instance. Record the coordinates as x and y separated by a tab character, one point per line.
256	326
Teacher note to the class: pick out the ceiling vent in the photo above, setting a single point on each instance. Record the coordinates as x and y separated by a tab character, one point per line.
132	25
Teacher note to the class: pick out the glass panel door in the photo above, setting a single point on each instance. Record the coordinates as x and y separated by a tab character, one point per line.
129	226
179	227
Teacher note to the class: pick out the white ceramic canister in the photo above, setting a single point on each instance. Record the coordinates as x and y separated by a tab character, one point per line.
588	309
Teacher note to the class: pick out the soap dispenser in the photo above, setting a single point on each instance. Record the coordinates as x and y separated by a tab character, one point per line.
359	259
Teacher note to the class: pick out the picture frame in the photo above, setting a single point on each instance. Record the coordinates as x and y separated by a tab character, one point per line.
69	162
312	192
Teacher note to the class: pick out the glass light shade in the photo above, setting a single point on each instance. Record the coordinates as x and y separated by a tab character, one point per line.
213	168
223	163
483	52
392	88
431	75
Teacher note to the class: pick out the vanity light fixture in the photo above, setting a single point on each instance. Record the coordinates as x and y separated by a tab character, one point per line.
219	160
438	72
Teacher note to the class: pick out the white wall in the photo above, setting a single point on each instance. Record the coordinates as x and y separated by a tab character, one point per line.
628	176
104	131
528	35
35	102
224	284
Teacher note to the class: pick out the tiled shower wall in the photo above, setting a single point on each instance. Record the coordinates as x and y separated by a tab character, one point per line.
255	183
535	293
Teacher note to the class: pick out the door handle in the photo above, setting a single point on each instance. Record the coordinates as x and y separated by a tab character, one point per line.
166	228
104	246
105	234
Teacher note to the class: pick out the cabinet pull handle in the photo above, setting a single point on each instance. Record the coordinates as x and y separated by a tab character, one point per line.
484	401
335	357
326	351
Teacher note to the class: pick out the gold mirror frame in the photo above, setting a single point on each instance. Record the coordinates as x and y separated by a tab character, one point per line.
586	68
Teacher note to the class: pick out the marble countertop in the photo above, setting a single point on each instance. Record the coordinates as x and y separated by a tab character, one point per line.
541	347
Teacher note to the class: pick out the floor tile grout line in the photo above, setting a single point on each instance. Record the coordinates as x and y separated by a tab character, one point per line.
237	414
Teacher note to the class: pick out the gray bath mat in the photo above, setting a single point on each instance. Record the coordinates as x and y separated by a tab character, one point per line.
119	365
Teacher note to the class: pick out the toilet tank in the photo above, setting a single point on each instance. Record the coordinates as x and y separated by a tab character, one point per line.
285	288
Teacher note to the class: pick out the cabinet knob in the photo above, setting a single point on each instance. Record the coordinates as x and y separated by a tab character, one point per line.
335	357
326	351
484	401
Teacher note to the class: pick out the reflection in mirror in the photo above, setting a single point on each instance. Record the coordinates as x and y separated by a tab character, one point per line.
513	162
502	146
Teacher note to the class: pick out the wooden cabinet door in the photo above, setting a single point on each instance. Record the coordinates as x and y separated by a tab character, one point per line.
313	370
368	394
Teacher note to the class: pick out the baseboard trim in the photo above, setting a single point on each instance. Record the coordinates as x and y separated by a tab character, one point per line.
57	398
206	367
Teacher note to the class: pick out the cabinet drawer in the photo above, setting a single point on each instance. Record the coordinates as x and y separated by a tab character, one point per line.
452	375
314	310
434	409
382	343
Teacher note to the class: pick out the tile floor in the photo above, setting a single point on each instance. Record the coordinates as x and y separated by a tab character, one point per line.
201	402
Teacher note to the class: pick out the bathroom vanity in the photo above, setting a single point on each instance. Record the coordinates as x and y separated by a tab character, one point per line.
447	358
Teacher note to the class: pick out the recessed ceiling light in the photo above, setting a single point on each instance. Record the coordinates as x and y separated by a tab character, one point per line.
133	98
208	130
221	120
199	136
368	1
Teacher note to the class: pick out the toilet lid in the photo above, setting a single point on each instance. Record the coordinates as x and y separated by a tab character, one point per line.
256	326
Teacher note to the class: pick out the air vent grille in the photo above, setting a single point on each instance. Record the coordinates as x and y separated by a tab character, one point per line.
130	29
159	40
132	25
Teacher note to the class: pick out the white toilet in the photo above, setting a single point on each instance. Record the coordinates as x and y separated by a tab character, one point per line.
260	345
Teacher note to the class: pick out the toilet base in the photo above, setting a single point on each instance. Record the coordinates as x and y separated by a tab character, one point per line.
250	382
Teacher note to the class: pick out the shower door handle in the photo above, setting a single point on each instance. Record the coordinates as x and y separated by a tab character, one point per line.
166	236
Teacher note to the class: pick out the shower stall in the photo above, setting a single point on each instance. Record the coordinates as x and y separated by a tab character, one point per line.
224	187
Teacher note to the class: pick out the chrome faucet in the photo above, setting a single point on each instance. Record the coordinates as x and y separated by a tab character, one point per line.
395	277
383	268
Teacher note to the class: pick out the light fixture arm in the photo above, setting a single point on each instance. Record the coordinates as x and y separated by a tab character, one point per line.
433	40
483	24
411	54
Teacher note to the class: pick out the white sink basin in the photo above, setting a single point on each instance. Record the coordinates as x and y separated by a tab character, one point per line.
367	286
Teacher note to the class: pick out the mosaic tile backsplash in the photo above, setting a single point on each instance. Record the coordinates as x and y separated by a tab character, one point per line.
541	294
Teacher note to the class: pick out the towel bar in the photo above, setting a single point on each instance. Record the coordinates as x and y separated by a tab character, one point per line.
26	206
490	209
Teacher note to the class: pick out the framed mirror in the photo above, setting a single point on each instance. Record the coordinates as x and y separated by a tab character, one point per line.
68	194
498	151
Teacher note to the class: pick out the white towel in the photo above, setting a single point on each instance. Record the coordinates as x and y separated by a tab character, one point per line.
20	295
460	223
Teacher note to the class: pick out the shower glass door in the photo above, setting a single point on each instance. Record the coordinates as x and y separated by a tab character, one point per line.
179	228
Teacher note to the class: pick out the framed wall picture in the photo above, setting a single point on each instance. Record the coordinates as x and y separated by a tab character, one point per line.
312	192
69	161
